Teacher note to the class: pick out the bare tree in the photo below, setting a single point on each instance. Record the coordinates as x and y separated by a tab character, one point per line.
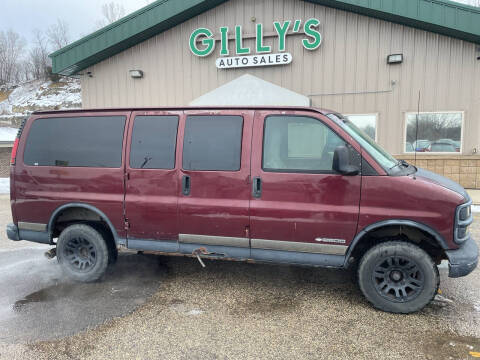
12	47
25	72
38	56
58	35
111	12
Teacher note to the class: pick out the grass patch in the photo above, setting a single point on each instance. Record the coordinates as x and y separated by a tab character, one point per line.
55	85
4	95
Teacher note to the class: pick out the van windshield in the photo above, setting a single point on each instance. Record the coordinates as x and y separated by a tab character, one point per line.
384	159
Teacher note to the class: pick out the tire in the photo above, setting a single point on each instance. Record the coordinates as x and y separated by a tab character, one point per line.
398	277
82	252
107	236
112	254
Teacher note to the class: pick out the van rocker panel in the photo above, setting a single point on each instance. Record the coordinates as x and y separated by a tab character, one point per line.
239	253
168	246
298	258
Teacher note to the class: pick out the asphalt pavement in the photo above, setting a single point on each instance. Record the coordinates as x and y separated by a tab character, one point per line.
156	307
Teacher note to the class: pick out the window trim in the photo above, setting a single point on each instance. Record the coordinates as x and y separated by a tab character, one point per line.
68	116
428	153
129	165
213	115
368	114
299	171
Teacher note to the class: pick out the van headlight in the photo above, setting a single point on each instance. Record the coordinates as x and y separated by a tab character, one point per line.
465	212
463	219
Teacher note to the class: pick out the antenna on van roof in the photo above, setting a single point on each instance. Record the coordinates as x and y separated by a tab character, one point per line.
416	130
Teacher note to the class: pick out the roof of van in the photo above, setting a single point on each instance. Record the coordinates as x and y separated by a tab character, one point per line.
440	16
185	108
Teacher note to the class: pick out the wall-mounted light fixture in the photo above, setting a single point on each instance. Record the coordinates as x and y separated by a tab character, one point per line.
136	74
395	59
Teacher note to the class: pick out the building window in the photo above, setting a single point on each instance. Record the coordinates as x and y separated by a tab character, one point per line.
434	132
213	143
365	122
298	144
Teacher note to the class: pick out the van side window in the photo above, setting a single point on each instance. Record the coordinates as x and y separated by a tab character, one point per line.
212	143
298	144
87	141
154	140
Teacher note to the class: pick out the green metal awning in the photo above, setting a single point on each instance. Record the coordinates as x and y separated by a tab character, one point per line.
440	16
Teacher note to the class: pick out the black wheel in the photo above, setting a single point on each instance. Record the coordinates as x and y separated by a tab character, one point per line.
398	277
82	253
107	236
112	254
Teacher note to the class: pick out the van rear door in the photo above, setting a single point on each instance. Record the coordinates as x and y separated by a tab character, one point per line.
152	180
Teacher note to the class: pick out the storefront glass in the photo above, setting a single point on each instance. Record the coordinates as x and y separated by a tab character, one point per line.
434	132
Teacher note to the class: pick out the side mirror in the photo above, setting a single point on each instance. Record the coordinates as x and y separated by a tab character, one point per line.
341	162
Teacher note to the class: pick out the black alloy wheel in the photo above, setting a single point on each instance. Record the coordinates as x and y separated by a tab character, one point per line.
82	252
398	277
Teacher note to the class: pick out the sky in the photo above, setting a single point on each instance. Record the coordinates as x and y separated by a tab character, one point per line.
24	16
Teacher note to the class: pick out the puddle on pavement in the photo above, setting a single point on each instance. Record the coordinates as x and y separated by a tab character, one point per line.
118	280
451	346
38	296
51	293
125	287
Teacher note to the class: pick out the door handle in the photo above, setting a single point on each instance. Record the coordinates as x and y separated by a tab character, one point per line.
186	185
257	187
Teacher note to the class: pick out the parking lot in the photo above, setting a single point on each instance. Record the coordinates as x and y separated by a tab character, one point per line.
154	307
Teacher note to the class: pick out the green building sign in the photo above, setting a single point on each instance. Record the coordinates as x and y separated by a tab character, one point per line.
202	43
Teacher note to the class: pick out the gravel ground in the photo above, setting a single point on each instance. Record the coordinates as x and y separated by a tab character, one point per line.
235	310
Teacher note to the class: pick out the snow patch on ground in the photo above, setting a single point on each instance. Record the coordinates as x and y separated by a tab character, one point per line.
4	185
38	94
8	134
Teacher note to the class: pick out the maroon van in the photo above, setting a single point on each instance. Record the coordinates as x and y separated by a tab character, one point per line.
270	184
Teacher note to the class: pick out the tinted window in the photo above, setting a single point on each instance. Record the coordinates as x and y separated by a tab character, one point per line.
76	141
154	140
212	143
298	144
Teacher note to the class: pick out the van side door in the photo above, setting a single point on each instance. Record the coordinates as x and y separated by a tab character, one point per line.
301	210
214	190
151	179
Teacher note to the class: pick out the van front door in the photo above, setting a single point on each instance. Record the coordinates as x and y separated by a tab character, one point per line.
301	210
214	190
151	180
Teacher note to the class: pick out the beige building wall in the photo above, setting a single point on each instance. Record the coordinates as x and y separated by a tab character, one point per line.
348	72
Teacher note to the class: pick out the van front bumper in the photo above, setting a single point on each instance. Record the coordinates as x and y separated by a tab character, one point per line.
15	234
463	260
